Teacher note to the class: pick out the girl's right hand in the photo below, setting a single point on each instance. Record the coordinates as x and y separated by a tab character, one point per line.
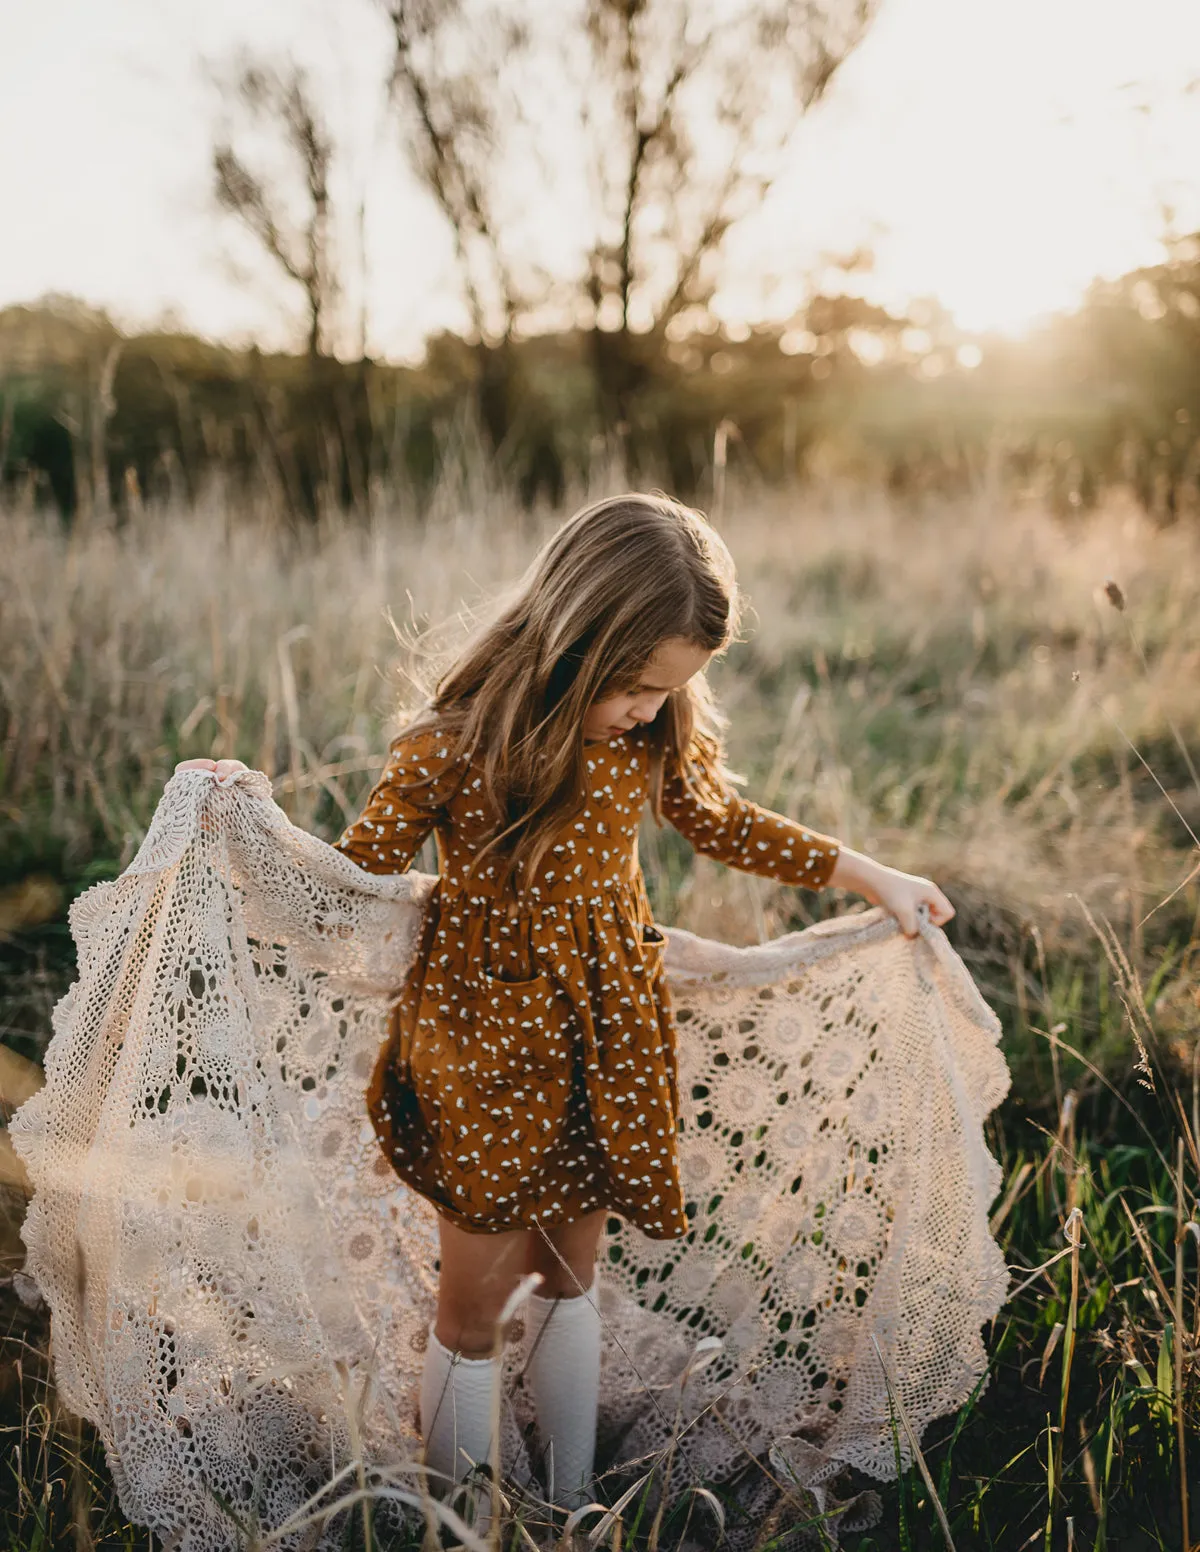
224	770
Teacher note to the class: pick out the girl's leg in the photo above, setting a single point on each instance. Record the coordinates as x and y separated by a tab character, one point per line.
478	1272
460	1376
562	1354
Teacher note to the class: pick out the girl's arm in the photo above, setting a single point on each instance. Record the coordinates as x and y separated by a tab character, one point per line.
396	820
720	823
727	826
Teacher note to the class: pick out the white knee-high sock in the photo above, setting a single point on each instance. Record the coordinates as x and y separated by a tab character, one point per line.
456	1417
562	1365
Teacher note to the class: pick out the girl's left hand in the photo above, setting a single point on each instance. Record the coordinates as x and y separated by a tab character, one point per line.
899	893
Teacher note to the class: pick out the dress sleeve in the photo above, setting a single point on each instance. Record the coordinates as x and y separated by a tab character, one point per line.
403	807
718	822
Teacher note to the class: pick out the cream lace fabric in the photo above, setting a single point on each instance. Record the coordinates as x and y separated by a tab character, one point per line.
240	1287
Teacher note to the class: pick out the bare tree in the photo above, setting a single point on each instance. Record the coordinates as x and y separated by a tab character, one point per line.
687	113
445	84
445	87
301	245
660	125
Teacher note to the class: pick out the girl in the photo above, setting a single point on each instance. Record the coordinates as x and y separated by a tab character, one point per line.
529	1086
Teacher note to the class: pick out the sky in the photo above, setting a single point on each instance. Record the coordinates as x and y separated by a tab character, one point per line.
994	154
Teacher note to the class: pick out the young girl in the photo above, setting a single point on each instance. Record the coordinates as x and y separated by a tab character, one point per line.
529	1084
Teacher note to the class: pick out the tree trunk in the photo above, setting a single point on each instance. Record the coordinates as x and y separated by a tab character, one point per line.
622	372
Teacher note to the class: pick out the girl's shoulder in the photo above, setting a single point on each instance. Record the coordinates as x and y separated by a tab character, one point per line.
422	739
699	772
424	755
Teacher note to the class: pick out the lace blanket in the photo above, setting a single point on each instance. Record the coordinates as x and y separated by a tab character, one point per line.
240	1287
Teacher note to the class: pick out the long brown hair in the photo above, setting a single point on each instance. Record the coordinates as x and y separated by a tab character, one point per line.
613	583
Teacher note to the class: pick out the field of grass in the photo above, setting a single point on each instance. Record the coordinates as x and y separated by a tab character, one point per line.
971	689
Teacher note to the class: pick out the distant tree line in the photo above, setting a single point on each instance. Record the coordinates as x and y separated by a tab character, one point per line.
94	420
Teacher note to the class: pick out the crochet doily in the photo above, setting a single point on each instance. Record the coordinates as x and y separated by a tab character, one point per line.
240	1287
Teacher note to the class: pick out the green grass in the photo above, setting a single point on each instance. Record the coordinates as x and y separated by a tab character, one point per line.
947	687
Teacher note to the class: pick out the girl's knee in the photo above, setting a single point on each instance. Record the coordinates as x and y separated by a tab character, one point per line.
561	1281
478	1273
566	1257
469	1313
474	1333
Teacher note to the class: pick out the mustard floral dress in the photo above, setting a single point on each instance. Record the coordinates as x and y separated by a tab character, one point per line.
530	1074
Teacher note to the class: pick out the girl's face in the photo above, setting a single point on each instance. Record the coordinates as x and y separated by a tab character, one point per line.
674	662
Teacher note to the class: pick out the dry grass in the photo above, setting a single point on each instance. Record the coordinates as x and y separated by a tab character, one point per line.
907	683
950	688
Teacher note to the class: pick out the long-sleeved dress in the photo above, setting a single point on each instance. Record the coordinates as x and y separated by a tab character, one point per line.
530	1075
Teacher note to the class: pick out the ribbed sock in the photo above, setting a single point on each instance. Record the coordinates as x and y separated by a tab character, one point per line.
562	1368
456	1419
